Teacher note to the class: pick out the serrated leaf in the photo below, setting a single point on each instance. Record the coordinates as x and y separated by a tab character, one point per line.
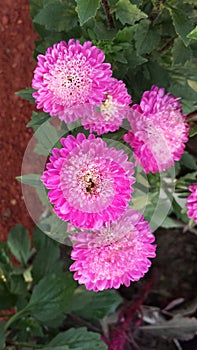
54	227
30	179
19	243
193	34
2	336
57	16
51	296
37	119
180	52
128	13
26	94
34	181
126	34
182	328
90	305
102	32
183	89
47	258
146	39
182	23
158	73
35	7
47	137
86	9
77	339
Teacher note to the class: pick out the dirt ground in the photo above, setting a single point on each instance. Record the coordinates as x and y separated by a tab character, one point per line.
16	70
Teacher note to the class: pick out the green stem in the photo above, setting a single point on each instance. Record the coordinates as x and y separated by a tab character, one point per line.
6	315
14	318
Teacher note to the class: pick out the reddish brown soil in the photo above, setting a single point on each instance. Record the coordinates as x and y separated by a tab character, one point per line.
16	68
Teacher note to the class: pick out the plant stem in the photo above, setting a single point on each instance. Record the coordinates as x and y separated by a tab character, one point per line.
109	16
14	318
6	315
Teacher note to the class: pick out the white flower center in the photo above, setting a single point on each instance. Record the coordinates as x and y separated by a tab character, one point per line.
108	107
70	80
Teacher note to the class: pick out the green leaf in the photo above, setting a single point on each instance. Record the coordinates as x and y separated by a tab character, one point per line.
2	336
91	305
34	181
30	179
179	211
54	227
188	161
48	38
180	52
63	347
19	243
47	258
18	285
158	73
146	39
28	326
57	16
4	255
192	84
128	13
26	94
47	137
193	131
184	91
126	34
182	23
77	339
171	223
35	7
7	299
37	119
51	296
193	34
101	32
86	9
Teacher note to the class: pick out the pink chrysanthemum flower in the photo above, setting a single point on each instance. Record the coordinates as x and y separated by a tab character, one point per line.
89	183
116	254
109	114
192	203
69	76
158	130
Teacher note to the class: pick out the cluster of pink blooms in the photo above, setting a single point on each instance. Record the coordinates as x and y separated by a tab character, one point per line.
72	81
90	184
158	130
192	203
